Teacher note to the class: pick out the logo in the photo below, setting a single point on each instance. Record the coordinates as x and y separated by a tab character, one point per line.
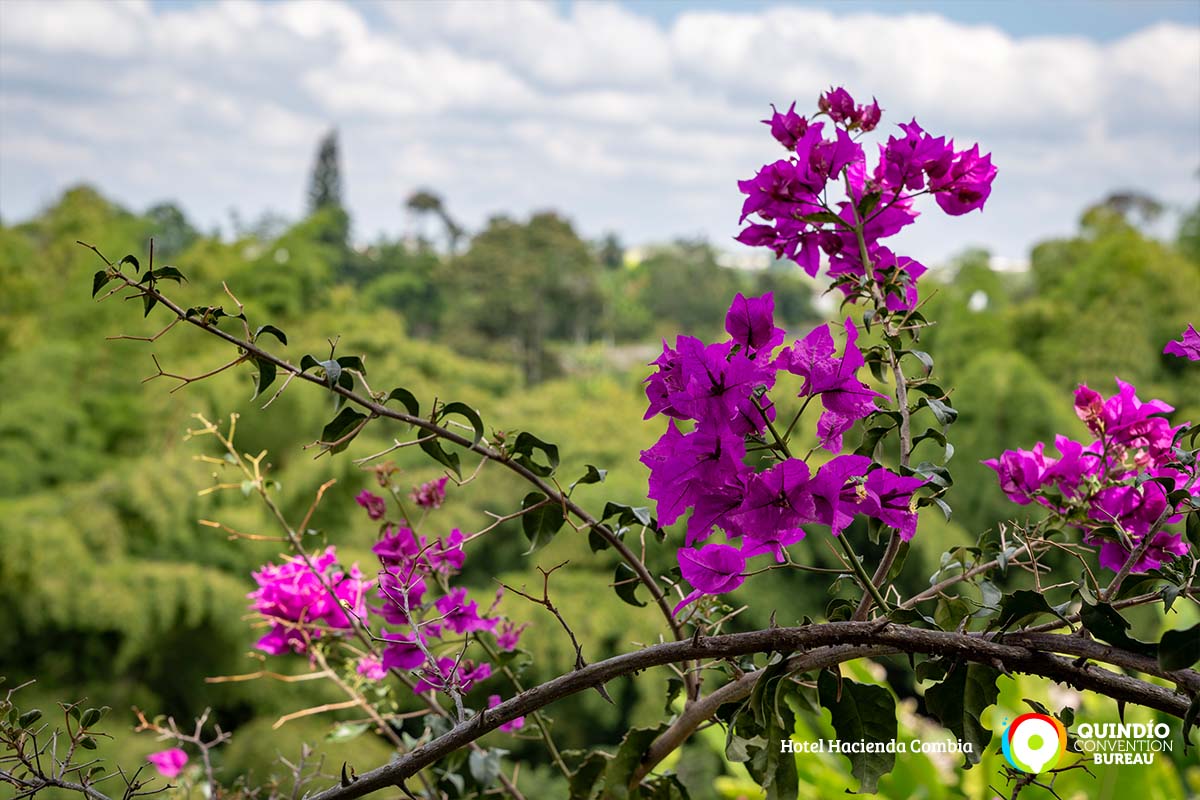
1034	743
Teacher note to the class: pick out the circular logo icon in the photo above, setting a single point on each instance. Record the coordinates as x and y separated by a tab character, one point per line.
1034	743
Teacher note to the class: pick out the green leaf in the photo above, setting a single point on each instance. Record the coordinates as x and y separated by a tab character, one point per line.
90	717
352	362
470	415
347	420
308	362
485	766
925	359
1021	604
1192	528
629	755
99	281
346	732
29	717
266	375
87	743
407	399
942	410
959	701
862	713
1105	623
593	475
169	274
824	217
543	522
868	203
271	329
1189	722
582	783
148	302
1179	649
130	259
626	582
434	449
524	448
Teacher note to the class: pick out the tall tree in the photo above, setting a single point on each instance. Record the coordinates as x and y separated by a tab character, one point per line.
325	184
325	191
424	202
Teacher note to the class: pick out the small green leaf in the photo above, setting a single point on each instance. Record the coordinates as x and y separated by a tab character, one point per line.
29	717
87	743
593	475
582	783
524	448
542	522
407	399
434	449
959	701
271	329
148	302
1105	623
266	375
470	415
130	259
346	421
169	274
626	582
90	717
1021	604
308	362
99	281
346	732
863	713
1179	649
824	217
352	362
485	766
629	755
925	359
942	410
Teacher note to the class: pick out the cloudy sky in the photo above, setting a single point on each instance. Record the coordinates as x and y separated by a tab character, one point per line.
635	117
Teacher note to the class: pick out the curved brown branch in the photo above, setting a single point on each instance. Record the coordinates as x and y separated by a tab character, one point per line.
481	448
973	647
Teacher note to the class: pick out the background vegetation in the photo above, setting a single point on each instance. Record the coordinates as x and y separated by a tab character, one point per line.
110	588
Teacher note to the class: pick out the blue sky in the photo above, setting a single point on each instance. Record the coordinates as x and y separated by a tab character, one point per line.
633	117
1101	20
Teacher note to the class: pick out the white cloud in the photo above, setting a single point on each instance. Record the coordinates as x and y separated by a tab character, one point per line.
597	109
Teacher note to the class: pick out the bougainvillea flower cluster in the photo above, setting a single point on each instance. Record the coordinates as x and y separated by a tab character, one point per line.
422	620
722	391
1119	481
296	598
794	200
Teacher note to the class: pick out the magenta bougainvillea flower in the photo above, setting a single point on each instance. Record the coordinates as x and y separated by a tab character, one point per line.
373	503
1187	347
169	763
298	603
371	667
415	607
793	208
1120	480
713	569
846	399
751	324
709	472
431	494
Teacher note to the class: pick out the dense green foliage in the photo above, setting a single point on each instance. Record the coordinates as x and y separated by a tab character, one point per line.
110	587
